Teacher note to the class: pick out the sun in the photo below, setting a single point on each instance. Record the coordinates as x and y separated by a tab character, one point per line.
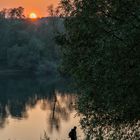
33	15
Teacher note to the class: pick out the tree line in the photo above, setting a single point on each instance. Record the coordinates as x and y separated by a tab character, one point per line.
26	44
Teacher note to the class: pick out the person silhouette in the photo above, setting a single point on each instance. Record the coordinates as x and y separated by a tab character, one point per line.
73	134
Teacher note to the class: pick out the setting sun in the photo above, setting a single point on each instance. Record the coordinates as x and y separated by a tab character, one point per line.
33	16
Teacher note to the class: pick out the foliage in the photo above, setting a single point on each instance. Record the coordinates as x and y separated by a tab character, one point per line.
26	44
122	131
13	13
100	49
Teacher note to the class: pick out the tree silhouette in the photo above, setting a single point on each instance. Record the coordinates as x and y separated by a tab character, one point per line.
16	13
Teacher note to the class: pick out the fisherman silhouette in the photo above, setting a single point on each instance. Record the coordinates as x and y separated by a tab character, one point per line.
72	134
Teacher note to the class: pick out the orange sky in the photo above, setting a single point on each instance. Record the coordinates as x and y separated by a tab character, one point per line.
37	6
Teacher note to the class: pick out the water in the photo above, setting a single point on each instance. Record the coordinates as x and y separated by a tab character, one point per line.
29	107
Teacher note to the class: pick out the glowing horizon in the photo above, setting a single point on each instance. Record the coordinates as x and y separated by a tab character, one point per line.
39	6
33	15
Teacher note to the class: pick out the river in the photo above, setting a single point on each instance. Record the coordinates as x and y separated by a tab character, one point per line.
31	107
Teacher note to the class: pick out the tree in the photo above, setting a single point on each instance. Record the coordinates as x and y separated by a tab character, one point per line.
3	14
53	12
27	45
100	49
16	13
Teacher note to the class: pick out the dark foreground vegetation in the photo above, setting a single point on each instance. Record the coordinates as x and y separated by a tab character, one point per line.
101	50
26	44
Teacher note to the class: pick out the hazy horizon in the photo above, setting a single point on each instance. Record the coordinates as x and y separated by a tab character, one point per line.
39	7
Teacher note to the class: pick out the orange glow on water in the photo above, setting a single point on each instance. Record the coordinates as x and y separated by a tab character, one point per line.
42	117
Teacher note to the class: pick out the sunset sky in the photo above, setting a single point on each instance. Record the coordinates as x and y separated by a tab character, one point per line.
37	6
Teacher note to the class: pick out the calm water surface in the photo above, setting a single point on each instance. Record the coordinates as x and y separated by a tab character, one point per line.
28	107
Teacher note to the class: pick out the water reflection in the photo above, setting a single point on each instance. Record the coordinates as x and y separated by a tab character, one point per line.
46	102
